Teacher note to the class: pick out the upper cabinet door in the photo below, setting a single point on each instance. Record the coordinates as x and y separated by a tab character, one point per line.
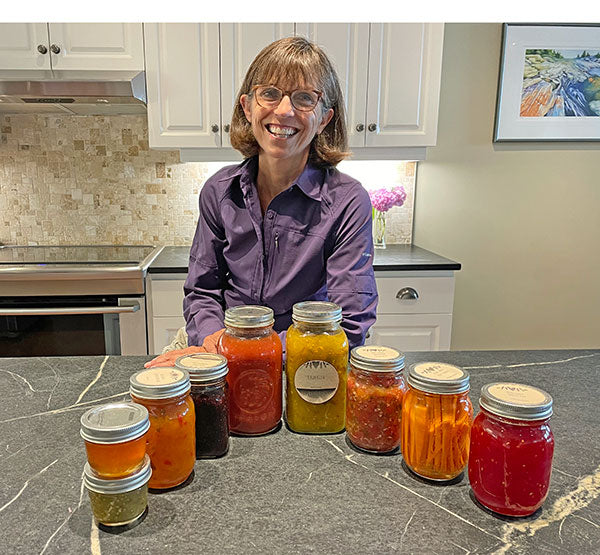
97	46
240	43
19	43
404	84
346	45
182	79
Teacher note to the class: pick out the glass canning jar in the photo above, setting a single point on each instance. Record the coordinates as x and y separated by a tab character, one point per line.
210	394
375	391
436	420
165	392
316	369
115	438
511	448
255	358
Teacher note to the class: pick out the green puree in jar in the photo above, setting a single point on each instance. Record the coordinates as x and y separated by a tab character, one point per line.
120	508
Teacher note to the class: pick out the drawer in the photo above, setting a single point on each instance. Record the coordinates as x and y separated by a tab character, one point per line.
412	332
167	297
434	295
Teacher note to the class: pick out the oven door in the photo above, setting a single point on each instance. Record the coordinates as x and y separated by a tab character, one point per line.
68	326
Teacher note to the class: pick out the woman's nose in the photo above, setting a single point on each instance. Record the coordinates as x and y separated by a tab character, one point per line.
285	106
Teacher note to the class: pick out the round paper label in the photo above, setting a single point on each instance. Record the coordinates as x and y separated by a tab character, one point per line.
518	394
377	353
160	376
438	371
316	381
201	362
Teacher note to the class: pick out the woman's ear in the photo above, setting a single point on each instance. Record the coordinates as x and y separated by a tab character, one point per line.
325	120
246	102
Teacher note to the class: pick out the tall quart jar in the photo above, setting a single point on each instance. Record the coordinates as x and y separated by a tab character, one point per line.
210	394
436	420
511	448
255	358
375	391
165	392
316	369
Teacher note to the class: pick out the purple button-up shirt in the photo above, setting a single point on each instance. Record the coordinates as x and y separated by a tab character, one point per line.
313	243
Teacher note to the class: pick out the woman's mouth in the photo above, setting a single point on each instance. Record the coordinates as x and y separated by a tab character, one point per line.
281	131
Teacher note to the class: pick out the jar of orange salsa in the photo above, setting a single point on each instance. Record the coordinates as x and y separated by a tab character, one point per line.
255	358
374	398
436	420
165	392
511	448
115	438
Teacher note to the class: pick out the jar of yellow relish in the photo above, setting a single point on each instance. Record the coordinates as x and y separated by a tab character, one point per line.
316	369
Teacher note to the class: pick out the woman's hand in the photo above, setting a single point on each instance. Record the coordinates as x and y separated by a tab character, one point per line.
168	359
211	341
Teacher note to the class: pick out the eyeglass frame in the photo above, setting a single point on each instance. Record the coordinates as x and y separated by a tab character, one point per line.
288	94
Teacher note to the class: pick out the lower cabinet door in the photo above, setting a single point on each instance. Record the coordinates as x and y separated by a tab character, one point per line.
412	332
164	331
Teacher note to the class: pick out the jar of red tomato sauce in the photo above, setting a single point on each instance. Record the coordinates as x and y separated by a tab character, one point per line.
255	358
374	398
511	448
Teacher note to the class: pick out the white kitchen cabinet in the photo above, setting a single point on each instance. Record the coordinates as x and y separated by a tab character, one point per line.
63	48
164	309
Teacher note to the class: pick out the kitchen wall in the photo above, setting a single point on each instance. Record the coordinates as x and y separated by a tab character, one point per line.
523	219
93	180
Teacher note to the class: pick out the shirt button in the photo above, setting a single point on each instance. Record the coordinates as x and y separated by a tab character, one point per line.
270	214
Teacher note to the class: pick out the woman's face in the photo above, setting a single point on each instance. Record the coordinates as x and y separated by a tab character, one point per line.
283	132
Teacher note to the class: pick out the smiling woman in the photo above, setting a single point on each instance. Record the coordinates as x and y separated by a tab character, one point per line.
285	225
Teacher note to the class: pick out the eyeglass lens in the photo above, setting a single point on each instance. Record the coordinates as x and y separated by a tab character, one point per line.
303	100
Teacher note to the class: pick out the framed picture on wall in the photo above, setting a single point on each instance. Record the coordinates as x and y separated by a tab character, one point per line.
549	85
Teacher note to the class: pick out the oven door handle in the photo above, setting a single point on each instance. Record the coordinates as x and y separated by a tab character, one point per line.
129	307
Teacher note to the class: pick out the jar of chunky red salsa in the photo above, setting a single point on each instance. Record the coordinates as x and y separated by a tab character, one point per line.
511	448
374	398
255	358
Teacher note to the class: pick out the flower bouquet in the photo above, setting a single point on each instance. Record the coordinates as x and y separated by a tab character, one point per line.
382	200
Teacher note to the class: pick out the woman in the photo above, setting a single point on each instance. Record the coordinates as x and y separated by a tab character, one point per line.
283	226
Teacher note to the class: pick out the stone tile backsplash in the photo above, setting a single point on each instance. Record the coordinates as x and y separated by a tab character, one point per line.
93	180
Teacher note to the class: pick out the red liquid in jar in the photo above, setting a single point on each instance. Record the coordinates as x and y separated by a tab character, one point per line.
510	463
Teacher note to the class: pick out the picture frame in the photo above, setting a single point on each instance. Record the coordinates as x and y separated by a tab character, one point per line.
549	83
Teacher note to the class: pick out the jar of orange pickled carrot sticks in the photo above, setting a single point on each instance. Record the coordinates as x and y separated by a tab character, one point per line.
436	420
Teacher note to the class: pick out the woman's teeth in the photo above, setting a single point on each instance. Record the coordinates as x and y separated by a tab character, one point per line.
281	131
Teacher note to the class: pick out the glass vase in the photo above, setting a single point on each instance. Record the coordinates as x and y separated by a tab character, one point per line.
379	229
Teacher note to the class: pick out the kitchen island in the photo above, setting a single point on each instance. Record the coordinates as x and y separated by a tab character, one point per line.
289	493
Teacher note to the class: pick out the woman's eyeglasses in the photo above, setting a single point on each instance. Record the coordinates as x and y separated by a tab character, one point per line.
269	96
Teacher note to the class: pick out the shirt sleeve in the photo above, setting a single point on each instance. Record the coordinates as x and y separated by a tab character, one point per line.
204	304
350	277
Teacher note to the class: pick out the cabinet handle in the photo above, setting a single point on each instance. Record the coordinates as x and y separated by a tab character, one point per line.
407	293
215	128
360	127
55	49
226	128
42	49
372	127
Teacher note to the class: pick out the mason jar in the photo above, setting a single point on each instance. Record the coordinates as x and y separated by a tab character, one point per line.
255	358
512	447
375	391
316	369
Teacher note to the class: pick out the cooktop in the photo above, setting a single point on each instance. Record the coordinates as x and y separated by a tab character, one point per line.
76	254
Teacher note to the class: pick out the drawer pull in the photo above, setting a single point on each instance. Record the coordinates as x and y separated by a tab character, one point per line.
407	293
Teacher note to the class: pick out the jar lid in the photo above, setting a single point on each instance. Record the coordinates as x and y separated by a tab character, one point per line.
317	312
203	367
114	423
515	400
159	383
438	377
375	358
249	316
122	485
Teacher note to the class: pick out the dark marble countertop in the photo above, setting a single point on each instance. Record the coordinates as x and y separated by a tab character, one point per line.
393	257
289	493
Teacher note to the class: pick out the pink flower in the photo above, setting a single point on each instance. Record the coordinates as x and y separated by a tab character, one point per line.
384	199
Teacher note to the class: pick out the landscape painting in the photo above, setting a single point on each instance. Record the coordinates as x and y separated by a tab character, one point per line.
561	83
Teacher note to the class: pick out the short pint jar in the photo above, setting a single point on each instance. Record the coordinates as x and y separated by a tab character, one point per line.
436	420
511	448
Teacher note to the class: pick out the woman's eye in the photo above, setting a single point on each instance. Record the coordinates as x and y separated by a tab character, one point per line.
304	98
270	94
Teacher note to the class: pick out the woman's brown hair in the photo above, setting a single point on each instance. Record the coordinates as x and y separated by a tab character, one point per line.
296	60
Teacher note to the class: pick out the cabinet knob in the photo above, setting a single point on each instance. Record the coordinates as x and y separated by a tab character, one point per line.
42	49
54	49
407	293
215	128
372	127
226	128
360	127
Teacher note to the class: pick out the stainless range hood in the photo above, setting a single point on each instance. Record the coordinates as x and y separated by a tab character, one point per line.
74	97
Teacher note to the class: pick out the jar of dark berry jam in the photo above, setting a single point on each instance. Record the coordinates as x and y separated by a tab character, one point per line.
210	394
511	448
